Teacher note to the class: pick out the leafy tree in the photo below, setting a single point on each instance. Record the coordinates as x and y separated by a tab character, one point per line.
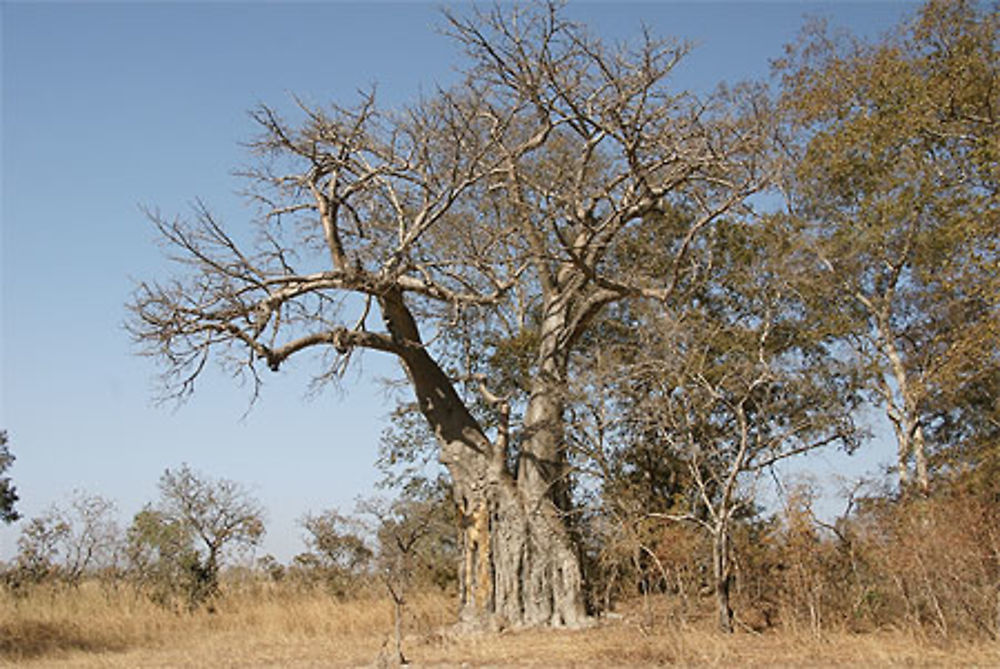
341	554
162	557
894	173
732	382
486	220
217	515
8	493
330	537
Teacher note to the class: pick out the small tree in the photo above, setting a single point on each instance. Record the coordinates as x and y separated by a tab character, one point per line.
219	514
737	380
161	556
8	494
416	537
340	553
67	543
38	548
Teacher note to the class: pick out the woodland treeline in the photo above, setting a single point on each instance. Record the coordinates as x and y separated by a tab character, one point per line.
619	308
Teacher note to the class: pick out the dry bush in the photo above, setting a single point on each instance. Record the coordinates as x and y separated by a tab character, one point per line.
924	565
809	577
939	559
927	565
685	554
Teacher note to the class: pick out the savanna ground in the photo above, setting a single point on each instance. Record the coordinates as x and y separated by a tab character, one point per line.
95	626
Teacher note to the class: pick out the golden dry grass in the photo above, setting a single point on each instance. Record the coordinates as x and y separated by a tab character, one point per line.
92	627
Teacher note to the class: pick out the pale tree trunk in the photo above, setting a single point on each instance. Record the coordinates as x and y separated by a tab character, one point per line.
920	457
554	578
906	418
722	573
518	566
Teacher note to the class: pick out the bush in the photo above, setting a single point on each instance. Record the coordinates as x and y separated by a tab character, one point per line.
925	563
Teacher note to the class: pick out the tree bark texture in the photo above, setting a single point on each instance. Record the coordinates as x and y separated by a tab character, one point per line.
518	566
723	579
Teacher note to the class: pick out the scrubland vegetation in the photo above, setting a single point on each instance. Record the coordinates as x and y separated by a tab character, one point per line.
265	624
909	582
619	307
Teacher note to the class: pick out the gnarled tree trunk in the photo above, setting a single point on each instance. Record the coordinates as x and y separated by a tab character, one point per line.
518	565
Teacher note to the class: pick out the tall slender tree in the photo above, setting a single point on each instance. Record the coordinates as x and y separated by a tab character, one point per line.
894	171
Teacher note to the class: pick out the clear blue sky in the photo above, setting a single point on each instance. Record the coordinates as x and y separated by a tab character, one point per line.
107	107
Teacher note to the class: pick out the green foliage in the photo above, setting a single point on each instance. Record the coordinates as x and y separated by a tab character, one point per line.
339	556
177	546
161	558
416	535
512	360
705	398
407	448
895	180
8	493
331	538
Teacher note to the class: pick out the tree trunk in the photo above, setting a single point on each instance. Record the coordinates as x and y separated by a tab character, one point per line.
723	579
906	420
518	567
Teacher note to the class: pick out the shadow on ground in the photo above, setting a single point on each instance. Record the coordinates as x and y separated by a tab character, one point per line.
34	639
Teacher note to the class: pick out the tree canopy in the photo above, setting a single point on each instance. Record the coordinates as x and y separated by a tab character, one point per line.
583	270
894	174
501	209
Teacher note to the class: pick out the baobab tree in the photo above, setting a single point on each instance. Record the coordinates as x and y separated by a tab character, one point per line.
494	212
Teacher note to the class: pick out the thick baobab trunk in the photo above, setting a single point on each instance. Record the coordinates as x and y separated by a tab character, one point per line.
518	566
553	581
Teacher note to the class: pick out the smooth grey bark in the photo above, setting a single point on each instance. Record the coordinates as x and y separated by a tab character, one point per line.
905	419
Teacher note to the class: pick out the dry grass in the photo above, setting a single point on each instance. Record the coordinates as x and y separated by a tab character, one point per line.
95	627
92	627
